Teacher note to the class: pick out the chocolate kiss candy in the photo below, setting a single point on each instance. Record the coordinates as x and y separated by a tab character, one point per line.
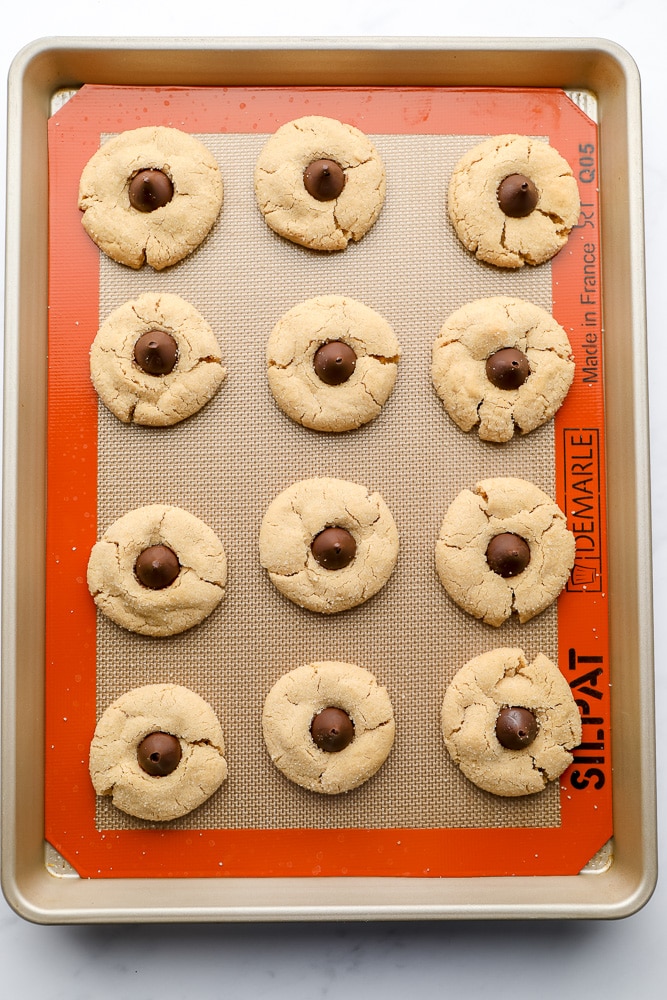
157	567
517	196
150	189
324	179
332	730
516	728
334	548
507	368
334	362
159	754
156	352
508	554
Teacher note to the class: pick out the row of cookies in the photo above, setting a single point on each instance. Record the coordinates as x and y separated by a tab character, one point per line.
509	724
329	545
498	364
153	194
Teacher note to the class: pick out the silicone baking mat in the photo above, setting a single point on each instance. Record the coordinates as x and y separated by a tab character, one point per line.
418	816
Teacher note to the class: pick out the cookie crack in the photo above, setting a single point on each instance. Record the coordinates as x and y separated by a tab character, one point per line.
378	725
553	217
205	579
206	743
538	769
369	392
339	225
555	520
117	554
352	516
383	360
359	163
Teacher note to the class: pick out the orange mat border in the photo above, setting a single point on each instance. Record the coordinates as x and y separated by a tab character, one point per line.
586	823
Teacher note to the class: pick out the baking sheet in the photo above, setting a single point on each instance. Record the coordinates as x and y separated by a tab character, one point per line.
49	892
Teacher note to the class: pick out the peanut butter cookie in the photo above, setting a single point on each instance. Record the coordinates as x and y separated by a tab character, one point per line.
502	364
332	363
158	752
155	361
328	726
328	544
157	570
150	195
510	725
504	548
320	183
513	200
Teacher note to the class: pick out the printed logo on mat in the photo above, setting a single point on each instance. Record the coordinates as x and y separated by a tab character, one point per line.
588	688
581	455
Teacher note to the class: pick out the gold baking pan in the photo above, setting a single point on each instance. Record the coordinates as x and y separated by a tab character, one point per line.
38	882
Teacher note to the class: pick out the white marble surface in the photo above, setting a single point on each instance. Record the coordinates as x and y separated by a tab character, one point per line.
550	960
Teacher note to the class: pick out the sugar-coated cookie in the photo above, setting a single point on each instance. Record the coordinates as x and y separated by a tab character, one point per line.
510	725
513	200
332	363
157	570
158	751
501	364
328	544
504	547
155	360
320	183
150	194
328	726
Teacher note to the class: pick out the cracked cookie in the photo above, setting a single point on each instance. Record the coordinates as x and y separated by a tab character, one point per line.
158	751
150	195
320	183
504	548
328	544
332	363
157	570
513	200
155	361
501	364
328	726
510	725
